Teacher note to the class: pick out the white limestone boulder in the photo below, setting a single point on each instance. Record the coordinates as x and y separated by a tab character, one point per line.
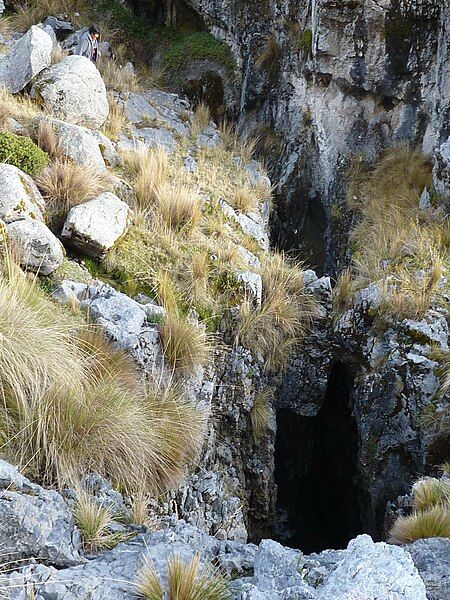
74	91
19	196
94	227
26	59
36	247
75	142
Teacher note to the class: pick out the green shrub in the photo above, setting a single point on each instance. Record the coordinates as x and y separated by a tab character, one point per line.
22	153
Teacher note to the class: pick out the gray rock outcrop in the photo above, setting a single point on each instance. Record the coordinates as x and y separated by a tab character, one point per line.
30	55
74	91
35	246
35	523
19	196
95	226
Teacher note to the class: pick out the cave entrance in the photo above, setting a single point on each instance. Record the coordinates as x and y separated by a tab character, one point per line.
318	504
209	90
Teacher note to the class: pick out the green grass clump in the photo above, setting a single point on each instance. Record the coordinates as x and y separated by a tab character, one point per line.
305	41
197	45
23	153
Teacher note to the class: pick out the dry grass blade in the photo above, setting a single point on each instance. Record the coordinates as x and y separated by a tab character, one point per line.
434	522
186	345
35	11
19	108
178	207
65	184
149	586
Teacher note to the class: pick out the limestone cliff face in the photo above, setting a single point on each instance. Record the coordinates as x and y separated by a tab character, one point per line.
334	79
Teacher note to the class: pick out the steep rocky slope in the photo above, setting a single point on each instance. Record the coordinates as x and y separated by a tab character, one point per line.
343	422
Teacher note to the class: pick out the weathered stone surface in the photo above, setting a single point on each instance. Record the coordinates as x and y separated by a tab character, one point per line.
73	91
60	27
441	169
27	58
431	558
371	571
37	248
35	523
95	226
254	225
19	196
124	320
77	143
252	284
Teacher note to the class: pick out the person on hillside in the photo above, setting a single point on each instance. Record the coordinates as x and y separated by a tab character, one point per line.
88	45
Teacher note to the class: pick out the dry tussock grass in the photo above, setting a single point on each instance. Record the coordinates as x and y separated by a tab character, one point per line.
117	121
179	207
185	581
20	108
117	77
201	119
275	329
186	345
32	12
71	404
65	184
397	245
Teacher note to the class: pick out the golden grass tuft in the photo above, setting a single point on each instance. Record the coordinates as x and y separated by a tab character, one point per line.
245	200
260	413
94	522
65	184
201	119
276	328
117	121
430	492
178	207
185	581
244	148
186	345
148	172
118	77
434	522
47	139
58	54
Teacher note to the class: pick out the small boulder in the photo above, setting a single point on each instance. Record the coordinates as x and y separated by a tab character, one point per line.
19	196
37	248
94	227
27	58
252	284
35	523
60	27
76	143
74	91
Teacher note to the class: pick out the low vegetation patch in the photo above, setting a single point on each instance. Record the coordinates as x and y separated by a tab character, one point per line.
22	152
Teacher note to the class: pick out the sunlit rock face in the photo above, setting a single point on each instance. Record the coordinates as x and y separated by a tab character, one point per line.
323	81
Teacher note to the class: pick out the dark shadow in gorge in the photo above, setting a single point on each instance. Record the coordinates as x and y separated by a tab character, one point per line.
318	503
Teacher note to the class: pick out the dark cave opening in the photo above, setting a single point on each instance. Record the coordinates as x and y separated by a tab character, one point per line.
318	503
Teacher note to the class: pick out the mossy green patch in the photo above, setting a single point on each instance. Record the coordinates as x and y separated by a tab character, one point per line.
23	153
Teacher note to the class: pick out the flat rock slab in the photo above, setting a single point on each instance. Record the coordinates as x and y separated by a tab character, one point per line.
35	523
